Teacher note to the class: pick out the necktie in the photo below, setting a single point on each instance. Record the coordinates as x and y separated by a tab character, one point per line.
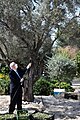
18	74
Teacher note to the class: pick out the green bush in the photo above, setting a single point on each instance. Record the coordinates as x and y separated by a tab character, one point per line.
66	86
4	80
4	86
61	68
42	87
4	69
62	85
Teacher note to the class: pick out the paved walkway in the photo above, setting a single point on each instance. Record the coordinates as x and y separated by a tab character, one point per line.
64	109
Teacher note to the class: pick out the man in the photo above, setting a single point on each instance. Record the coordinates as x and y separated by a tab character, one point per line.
16	79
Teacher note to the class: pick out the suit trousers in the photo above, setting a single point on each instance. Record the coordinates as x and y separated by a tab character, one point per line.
15	99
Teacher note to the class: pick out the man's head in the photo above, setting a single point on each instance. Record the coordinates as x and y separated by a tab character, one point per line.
13	66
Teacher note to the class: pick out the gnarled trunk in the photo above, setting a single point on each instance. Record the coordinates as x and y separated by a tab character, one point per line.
28	86
30	78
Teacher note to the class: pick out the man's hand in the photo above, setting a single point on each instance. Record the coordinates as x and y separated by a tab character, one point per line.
29	65
21	80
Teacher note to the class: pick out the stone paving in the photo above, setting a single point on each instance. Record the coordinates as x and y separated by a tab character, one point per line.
63	109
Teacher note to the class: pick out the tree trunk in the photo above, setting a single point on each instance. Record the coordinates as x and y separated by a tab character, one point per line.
28	87
30	78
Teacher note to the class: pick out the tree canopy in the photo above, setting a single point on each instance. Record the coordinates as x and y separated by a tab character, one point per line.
27	26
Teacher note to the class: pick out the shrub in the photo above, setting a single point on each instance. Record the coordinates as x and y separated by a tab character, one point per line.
4	69
62	85
66	86
4	86
42	87
4	80
61	68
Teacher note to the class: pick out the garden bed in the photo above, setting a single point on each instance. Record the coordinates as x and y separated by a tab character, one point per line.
7	117
41	116
24	115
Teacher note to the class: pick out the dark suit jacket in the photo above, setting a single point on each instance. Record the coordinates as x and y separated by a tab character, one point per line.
15	80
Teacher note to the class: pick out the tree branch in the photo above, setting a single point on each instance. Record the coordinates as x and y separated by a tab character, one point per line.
3	40
15	33
4	58
67	24
5	24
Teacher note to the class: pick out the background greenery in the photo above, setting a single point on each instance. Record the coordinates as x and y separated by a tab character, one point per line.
4	80
43	86
46	87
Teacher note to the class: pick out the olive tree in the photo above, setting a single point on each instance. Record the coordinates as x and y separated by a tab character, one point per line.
26	27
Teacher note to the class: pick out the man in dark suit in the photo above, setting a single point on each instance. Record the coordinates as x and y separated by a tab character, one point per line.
16	79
